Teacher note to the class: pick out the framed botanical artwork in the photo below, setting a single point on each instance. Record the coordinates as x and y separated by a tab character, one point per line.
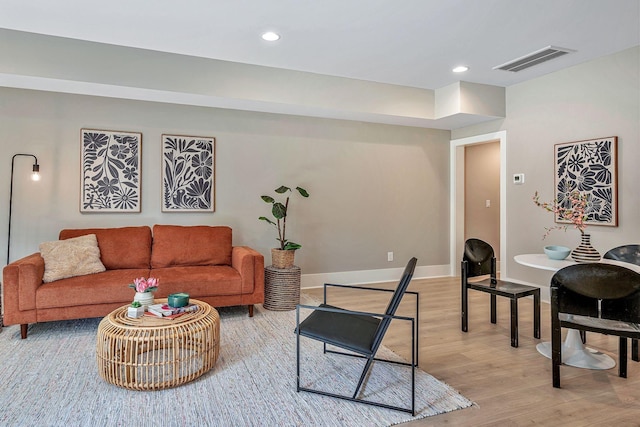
188	173
589	167
110	171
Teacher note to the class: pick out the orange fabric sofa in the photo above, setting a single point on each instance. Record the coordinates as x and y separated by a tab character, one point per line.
198	260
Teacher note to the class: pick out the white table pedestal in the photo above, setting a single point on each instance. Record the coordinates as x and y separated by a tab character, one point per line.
574	353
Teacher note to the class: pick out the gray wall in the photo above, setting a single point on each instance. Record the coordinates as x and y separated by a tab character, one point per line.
600	98
374	188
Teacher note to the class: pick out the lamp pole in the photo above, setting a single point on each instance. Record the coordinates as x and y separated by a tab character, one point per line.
35	176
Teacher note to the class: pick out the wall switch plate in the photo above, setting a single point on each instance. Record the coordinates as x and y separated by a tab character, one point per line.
487	203
518	178
389	256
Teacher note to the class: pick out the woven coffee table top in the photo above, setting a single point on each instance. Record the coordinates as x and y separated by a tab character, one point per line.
119	316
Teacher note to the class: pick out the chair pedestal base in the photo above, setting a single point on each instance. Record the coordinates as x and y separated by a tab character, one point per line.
574	353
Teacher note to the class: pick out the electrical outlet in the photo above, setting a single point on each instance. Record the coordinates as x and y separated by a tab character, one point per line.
487	203
389	256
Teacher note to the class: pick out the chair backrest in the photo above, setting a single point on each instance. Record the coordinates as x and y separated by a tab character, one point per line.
625	253
597	290
394	303
479	255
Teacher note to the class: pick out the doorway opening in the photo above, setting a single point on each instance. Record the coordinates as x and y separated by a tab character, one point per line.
457	197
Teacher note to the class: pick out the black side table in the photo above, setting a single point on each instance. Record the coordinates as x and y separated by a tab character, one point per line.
281	288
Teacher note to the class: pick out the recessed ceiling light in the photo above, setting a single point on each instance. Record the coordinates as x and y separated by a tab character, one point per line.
460	69
270	36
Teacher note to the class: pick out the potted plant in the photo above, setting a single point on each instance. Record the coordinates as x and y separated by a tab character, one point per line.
283	256
144	290
135	310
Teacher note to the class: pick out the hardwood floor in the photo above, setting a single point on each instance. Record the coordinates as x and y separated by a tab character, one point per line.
510	386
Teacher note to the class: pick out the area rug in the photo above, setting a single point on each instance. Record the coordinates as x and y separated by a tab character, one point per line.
51	379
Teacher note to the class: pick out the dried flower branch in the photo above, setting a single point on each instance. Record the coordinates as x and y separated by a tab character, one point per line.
575	213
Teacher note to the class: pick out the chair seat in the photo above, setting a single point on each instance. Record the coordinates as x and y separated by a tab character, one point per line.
503	288
600	325
342	329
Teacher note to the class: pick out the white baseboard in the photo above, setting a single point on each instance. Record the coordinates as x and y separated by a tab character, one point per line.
371	276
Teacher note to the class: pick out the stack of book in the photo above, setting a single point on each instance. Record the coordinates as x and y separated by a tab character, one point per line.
165	311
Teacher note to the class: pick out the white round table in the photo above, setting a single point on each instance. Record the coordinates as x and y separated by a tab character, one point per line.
543	262
574	352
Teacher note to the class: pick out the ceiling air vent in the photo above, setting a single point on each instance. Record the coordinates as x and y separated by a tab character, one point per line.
534	58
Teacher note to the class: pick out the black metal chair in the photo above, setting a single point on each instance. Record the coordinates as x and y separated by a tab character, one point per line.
595	297
629	254
360	333
479	260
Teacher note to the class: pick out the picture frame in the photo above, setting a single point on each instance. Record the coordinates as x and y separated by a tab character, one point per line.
111	165
590	167
188	173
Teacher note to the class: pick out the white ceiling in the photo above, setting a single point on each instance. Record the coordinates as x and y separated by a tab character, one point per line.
406	42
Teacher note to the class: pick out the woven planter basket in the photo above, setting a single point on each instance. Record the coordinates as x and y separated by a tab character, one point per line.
281	258
281	288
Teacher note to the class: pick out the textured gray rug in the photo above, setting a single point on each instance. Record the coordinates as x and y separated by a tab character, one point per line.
51	379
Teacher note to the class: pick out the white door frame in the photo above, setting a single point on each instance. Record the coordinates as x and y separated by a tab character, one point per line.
457	202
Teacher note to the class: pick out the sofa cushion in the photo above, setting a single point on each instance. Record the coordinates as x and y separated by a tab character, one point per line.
70	258
110	286
125	247
202	281
175	245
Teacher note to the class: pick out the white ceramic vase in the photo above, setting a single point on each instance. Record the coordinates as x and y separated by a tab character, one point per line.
144	298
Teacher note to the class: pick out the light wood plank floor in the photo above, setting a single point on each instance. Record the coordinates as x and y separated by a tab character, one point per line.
510	386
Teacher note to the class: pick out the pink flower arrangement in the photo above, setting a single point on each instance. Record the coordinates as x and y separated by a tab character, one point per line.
145	285
575	213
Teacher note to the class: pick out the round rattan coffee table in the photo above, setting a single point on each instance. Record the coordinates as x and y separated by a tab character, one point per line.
152	353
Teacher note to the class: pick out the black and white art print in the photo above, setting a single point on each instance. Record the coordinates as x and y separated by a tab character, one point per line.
589	167
188	173
110	171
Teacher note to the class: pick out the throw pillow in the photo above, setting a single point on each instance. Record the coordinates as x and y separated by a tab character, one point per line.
71	257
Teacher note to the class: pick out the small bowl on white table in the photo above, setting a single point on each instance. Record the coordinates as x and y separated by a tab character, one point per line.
557	252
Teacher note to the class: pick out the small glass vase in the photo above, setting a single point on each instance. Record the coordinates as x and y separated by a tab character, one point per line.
585	253
144	298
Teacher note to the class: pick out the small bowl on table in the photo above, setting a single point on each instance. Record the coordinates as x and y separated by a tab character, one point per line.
178	300
557	252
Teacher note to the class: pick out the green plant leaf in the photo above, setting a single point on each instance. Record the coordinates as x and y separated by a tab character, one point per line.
268	199
264	218
282	189
290	246
302	192
279	211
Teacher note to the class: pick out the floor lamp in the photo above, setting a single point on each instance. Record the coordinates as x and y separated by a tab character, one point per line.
34	176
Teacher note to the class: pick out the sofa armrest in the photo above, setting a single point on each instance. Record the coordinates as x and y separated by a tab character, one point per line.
20	279
250	264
